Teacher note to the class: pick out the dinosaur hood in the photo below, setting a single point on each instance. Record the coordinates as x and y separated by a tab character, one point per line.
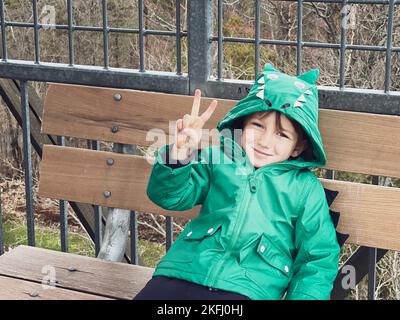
294	96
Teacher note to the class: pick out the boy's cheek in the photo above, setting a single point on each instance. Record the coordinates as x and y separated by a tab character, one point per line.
242	144
243	140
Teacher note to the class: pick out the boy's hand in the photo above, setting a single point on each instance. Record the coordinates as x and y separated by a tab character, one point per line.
189	129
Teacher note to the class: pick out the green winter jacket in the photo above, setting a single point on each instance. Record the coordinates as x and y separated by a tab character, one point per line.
260	232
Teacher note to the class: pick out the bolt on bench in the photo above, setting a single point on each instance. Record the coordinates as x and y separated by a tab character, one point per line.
354	142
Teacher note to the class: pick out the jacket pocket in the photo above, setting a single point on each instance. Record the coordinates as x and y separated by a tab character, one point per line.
268	268
199	235
201	231
274	256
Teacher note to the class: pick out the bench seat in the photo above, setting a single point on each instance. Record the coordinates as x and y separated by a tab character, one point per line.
25	273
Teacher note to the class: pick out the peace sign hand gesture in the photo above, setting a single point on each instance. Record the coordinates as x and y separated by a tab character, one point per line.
188	130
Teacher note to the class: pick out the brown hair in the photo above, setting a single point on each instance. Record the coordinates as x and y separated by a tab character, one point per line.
301	134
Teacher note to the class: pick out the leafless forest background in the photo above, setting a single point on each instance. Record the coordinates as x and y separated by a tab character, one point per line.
321	23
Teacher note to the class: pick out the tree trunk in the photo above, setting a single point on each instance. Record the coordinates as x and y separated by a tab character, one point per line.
115	235
116	231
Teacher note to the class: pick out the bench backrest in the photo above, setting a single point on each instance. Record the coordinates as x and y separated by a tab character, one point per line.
354	142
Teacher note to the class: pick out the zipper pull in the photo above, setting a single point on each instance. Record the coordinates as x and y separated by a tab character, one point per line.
253	185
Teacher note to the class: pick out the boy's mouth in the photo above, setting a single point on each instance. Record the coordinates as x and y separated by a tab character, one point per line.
261	153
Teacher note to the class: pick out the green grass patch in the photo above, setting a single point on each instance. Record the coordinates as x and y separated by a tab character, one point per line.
151	252
15	234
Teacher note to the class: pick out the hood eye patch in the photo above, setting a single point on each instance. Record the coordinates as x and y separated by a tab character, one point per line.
272	76
299	84
298	103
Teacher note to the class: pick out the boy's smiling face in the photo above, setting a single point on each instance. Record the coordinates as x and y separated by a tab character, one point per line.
265	144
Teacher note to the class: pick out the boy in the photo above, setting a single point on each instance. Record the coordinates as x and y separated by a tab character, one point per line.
264	234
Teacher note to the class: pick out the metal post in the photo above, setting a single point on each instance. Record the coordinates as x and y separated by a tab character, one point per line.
70	33
63	212
220	39
257	40
98	230
98	223
1	230
3	31
105	34
64	225
141	37
36	31
329	174
200	55
134	238
169	232
178	37
372	255
343	35
389	46
27	162
299	36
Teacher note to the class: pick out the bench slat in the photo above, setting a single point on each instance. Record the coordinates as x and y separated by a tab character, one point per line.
17	289
354	142
90	175
369	213
93	276
91	112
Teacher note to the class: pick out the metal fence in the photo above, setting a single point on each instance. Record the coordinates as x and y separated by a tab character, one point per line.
201	41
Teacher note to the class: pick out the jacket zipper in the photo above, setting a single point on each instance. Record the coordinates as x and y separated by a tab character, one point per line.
241	214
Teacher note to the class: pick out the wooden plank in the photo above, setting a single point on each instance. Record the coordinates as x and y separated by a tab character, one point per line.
91	112
354	142
126	179
360	143
92	276
17	289
370	214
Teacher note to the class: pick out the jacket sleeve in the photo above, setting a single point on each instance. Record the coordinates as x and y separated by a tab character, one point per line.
179	187
318	252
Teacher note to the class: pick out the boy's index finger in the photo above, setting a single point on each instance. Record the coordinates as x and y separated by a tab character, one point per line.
196	103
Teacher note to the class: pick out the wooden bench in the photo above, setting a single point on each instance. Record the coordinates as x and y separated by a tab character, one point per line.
354	142
35	273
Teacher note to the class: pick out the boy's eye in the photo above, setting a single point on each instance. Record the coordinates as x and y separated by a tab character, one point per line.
261	126
257	124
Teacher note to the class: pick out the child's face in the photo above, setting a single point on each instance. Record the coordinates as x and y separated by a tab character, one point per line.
264	144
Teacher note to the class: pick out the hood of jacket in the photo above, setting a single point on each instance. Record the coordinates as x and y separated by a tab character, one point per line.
294	96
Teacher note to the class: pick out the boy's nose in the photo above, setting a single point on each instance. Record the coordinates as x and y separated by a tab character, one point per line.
265	140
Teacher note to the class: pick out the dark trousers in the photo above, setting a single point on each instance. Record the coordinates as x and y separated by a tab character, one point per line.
166	288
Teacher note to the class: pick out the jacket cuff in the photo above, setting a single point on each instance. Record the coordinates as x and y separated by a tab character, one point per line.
162	158
172	163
